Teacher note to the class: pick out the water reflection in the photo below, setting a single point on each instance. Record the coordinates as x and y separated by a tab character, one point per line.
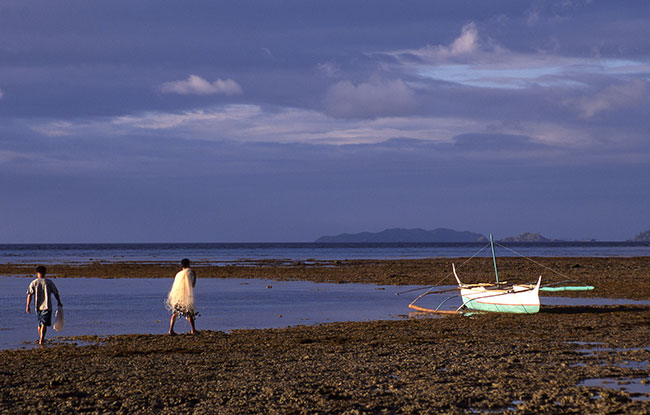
637	387
122	306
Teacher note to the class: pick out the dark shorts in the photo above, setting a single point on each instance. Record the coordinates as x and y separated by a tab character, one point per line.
184	312
44	317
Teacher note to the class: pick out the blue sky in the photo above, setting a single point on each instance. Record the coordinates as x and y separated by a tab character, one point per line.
279	120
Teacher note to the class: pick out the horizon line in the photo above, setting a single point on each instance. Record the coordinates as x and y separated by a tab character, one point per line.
327	243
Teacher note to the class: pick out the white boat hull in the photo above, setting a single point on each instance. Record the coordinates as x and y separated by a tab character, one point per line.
514	299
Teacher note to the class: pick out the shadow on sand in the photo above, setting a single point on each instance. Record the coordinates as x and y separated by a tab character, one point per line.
592	309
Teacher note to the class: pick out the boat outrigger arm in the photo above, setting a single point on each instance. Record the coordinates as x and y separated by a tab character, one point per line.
437	310
499	297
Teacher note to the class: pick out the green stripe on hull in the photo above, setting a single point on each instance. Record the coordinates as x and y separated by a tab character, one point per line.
500	308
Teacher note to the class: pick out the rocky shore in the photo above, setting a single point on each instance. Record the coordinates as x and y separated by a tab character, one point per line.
490	363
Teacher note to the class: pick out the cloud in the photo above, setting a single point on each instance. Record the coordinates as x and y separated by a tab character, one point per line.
479	61
366	113
532	17
186	119
495	142
195	85
466	43
370	99
329	69
613	97
253	123
468	46
7	156
60	128
284	125
60	163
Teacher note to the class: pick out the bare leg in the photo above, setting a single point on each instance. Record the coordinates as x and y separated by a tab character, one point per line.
191	319
171	324
42	329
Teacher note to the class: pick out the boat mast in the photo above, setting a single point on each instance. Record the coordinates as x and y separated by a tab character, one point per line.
494	258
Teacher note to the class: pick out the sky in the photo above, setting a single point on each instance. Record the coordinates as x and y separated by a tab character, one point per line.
265	121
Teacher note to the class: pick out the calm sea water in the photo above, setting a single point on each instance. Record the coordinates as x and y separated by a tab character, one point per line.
222	253
119	306
96	306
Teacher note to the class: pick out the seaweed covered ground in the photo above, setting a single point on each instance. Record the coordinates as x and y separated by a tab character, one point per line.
613	277
487	363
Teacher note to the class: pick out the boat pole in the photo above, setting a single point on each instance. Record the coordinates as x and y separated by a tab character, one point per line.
494	258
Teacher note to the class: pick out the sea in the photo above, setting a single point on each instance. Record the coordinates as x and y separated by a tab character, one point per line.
103	307
106	307
226	253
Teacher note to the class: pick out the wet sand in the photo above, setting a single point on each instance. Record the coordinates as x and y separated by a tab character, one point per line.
484	363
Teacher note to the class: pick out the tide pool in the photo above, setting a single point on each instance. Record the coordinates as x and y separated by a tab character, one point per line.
136	306
125	306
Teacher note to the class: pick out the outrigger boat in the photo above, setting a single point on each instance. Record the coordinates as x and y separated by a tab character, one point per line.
499	297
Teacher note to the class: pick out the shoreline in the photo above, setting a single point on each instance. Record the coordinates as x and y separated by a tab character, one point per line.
455	364
613	277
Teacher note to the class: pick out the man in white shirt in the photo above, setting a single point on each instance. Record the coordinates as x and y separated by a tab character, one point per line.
41	289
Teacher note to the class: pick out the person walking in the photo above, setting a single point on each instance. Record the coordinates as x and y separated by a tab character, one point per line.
180	300
41	289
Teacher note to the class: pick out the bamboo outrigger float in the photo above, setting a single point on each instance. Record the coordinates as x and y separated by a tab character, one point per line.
499	297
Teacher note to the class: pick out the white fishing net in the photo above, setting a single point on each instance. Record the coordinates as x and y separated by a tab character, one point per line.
180	299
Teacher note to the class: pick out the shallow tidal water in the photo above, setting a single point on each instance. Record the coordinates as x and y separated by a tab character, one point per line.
128	306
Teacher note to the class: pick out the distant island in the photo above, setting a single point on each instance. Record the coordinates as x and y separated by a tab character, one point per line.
642	237
405	235
526	237
442	235
423	236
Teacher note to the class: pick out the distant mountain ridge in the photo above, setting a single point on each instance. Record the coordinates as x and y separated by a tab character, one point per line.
442	235
642	237
527	237
405	235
